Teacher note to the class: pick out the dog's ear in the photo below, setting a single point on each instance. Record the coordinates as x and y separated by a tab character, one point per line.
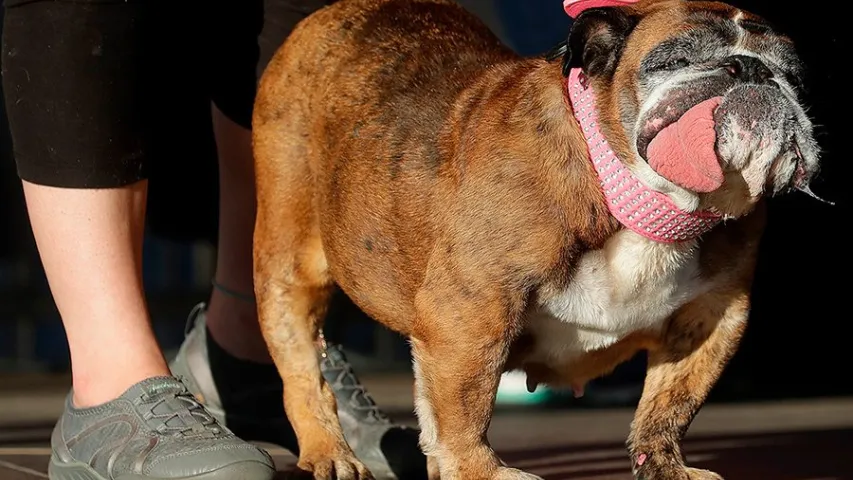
596	40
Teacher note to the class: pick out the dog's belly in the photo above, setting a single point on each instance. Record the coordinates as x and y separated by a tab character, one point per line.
631	285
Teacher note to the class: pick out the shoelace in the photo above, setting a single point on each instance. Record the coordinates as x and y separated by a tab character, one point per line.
341	375
194	419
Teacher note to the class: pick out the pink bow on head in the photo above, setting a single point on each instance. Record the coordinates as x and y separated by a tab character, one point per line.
575	7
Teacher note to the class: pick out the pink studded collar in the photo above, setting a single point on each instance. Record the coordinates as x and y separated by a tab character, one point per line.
636	206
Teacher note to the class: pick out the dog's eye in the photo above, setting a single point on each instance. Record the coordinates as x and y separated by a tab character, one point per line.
673	64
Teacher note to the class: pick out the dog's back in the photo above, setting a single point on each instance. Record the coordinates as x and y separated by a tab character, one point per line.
355	103
361	64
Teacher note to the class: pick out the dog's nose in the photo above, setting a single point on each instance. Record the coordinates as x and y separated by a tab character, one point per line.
748	69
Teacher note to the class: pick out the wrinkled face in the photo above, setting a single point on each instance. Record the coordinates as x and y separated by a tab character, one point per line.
700	99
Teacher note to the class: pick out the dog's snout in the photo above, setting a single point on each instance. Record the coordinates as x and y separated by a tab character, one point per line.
748	69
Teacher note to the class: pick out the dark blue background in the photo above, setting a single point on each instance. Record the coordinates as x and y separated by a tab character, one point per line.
533	27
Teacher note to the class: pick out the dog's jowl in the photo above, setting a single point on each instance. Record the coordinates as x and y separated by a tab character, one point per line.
552	215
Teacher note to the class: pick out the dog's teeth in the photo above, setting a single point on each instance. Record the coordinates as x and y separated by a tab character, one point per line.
808	191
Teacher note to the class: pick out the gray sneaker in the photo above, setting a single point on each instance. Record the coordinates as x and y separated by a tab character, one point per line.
390	451
154	431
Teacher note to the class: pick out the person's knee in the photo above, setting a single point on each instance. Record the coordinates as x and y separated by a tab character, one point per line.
75	91
232	57
244	41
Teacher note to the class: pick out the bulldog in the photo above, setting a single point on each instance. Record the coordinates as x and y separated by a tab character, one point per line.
554	215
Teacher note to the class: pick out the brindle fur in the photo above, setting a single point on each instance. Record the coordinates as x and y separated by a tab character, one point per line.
406	156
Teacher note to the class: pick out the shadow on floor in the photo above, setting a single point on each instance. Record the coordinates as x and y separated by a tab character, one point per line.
812	455
809	455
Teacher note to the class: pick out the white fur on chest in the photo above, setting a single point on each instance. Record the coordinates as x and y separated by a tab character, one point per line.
631	284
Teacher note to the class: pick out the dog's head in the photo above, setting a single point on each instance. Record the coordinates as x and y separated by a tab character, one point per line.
669	74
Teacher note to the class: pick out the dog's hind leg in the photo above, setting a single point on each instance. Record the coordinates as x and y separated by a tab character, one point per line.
293	289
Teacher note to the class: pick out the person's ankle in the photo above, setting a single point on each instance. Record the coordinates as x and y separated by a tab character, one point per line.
244	385
233	325
99	385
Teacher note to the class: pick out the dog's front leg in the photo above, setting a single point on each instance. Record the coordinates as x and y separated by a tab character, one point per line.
697	344
460	341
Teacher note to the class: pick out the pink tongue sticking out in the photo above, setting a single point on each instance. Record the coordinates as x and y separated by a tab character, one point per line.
684	152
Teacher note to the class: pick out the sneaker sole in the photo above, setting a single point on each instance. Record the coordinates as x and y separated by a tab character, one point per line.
238	471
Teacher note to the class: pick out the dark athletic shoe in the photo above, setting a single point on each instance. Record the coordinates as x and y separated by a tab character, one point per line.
154	431
254	411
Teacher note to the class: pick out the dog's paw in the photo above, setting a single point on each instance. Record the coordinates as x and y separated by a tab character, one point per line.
342	466
697	474
679	474
506	473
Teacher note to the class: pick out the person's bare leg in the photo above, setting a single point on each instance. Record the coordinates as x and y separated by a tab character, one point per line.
90	242
232	316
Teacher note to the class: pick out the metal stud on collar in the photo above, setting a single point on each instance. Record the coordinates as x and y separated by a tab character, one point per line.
647	212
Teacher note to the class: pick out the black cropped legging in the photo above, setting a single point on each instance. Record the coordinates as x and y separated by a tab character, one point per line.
90	84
